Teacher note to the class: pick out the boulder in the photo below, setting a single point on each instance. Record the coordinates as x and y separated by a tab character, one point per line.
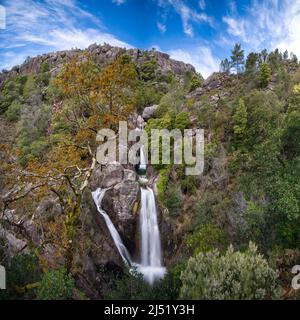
107	177
149	112
119	203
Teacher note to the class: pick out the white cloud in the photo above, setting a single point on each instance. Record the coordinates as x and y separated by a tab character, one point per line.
50	26
118	2
267	24
235	27
202	4
201	58
161	27
187	14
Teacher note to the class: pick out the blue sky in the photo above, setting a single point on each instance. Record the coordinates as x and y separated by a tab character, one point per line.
200	32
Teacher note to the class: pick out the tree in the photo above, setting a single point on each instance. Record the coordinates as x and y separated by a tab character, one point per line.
251	63
117	83
264	55
237	57
225	66
265	74
285	55
234	276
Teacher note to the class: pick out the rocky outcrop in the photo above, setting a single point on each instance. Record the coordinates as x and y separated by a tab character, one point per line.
149	112
120	203
103	54
96	255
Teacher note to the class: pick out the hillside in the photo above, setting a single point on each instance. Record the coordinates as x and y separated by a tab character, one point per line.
52	107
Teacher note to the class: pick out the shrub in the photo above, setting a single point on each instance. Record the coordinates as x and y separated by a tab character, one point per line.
21	271
206	238
14	110
182	121
196	82
234	276
173	200
56	285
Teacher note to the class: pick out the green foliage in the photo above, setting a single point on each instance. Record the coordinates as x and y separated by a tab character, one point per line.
146	96
22	270
56	285
147	70
162	183
206	238
196	82
237	57
251	63
14	111
32	132
233	276
182	121
265	74
11	90
132	286
173	200
240	119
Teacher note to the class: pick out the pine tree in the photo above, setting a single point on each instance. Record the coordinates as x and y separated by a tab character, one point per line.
251	62
285	55
265	74
237	57
225	66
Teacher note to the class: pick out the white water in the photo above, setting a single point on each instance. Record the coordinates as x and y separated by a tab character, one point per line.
98	196
151	257
151	265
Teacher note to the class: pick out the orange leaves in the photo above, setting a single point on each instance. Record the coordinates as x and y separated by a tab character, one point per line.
99	97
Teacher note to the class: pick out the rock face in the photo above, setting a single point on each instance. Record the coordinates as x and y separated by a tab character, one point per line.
103	54
107	176
120	199
120	203
96	255
149	112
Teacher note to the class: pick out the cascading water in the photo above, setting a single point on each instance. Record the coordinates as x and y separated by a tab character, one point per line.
151	265
151	260
98	196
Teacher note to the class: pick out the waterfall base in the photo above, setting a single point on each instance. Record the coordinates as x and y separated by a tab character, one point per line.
151	274
151	266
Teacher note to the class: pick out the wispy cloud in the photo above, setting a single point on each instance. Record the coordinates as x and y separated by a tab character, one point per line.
118	2
37	27
202	4
266	24
188	15
200	57
161	27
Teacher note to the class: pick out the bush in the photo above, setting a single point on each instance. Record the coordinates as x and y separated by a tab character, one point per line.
14	110
206	238
234	276
21	271
173	200
56	285
132	286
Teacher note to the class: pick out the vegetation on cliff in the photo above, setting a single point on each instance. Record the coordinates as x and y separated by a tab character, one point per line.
249	191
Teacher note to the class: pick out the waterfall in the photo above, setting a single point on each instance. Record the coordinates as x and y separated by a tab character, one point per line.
151	258
151	265
98	196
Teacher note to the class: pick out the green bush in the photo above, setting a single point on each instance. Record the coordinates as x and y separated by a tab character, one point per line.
173	200
205	238
182	121
22	270
56	285
14	110
233	276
